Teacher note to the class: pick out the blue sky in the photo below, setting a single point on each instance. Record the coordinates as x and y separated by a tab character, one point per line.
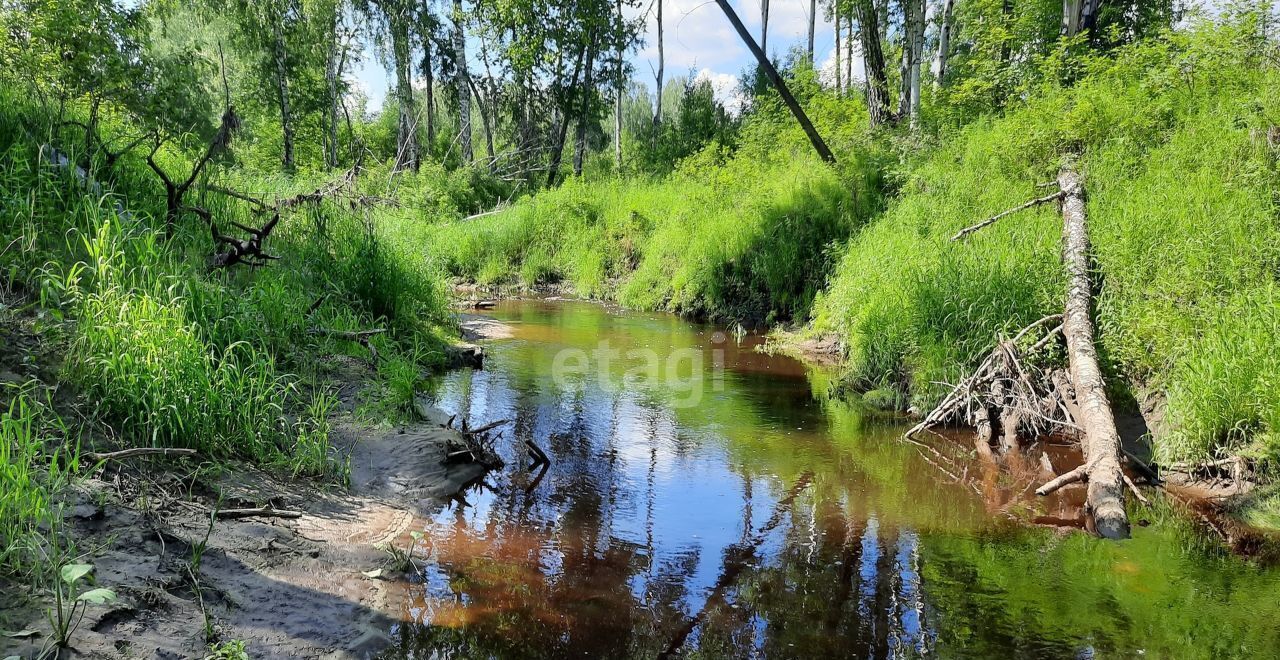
699	39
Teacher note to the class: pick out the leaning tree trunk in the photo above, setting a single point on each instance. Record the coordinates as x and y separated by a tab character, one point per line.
873	58
944	44
1101	441
779	84
464	92
562	124
282	88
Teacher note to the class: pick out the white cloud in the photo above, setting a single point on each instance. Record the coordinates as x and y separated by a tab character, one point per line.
725	87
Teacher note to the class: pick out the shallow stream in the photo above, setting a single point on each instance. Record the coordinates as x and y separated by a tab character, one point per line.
707	500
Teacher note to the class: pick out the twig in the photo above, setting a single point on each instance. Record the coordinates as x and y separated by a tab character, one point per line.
1065	479
993	219
264	512
1133	488
140	451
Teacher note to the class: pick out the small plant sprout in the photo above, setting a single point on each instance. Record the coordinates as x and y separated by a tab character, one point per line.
70	603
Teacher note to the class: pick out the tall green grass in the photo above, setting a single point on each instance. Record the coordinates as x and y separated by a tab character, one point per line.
31	477
1182	187
743	235
171	354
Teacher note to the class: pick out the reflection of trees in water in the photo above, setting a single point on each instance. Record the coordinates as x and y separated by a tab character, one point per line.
544	573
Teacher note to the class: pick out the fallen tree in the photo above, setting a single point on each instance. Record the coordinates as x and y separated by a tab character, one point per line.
1006	390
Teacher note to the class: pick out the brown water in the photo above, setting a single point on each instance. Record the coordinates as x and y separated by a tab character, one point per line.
730	509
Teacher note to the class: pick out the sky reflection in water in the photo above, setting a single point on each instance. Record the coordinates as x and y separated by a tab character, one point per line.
769	521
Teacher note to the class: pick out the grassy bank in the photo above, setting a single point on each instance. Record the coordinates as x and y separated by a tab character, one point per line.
1176	138
150	347
740	235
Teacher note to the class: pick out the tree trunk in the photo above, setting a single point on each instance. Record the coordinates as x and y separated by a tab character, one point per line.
836	21
873	59
1101	441
429	74
562	125
917	58
282	87
778	84
617	106
813	25
406	135
657	114
485	123
584	110
464	91
331	116
1071	17
848	53
764	27
944	44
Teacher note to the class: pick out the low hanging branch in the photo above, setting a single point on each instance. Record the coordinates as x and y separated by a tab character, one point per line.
1022	398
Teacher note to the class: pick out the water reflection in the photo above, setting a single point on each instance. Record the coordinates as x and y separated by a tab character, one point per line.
765	522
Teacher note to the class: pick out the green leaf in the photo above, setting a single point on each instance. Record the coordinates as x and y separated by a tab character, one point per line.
21	634
372	575
417	536
97	596
73	573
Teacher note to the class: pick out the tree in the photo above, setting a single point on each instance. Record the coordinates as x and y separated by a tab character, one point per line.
912	53
395	18
764	26
944	44
813	24
657	113
462	81
877	89
816	140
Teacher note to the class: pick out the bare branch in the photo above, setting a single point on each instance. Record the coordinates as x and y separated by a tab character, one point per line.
993	219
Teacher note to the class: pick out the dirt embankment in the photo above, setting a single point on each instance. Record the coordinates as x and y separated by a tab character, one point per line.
313	586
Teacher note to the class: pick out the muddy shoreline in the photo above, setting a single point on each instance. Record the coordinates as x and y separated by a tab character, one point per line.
323	585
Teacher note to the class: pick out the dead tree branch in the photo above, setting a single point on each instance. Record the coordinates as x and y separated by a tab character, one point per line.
997	217
139	451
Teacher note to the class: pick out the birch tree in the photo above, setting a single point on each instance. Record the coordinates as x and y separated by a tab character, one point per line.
461	81
944	44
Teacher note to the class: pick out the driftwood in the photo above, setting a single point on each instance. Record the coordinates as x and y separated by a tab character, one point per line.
1022	398
139	451
263	512
1101	441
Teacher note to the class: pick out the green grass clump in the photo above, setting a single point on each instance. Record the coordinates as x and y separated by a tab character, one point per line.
743	235
31	477
1170	136
170	353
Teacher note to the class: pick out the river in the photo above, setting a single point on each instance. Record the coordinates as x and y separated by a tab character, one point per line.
707	500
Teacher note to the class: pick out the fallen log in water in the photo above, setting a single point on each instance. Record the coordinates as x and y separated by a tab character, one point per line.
1006	390
1101	440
